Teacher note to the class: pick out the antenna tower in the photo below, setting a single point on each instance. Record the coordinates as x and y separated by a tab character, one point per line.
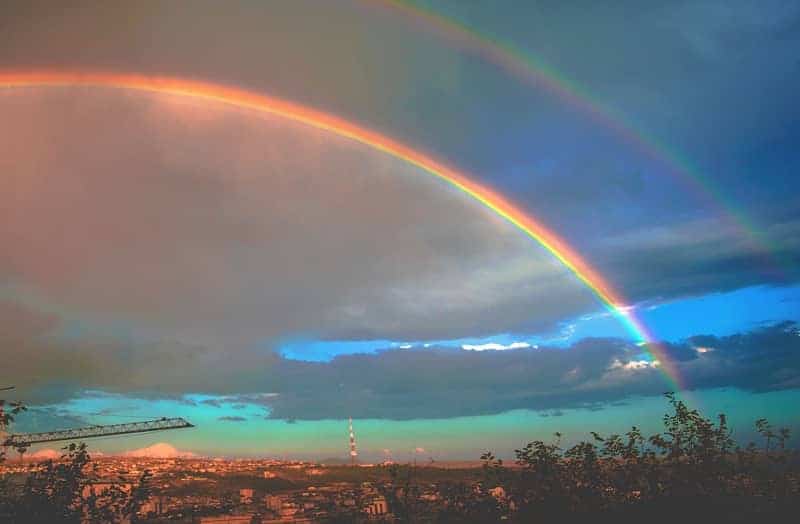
353	452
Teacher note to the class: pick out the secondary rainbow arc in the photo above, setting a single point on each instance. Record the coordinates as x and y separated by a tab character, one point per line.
499	204
533	70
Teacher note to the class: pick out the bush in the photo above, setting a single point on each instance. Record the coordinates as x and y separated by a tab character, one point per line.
691	470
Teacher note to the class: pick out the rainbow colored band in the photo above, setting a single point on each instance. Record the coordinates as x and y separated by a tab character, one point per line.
611	299
537	73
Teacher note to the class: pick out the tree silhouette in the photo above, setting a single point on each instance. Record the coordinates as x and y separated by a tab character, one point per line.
692	469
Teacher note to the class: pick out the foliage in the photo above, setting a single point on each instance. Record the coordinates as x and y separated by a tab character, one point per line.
692	470
404	493
8	411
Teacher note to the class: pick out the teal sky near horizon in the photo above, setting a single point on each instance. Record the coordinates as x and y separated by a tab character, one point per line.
460	438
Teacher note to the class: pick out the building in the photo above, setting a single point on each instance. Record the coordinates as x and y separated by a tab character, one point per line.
227	519
274	502
376	506
246	496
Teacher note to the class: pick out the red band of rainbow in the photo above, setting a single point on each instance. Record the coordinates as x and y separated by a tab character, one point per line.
611	299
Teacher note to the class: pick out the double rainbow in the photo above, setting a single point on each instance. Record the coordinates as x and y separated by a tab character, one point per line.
525	222
536	72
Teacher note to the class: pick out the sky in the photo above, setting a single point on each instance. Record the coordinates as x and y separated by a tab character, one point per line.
169	254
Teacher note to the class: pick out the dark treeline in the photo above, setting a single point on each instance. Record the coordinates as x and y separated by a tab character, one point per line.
692	471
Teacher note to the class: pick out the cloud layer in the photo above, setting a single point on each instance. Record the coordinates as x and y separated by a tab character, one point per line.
183	235
145	240
432	383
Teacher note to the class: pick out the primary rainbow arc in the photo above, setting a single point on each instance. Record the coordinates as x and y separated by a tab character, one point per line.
500	205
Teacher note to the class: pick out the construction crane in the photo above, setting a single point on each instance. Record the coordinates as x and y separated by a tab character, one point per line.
21	441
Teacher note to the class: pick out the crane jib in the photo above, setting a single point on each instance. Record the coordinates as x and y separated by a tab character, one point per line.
26	439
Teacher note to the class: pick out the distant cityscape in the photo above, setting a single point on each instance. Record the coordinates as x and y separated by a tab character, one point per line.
266	490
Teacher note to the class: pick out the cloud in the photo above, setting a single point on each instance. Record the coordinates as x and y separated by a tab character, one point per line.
634	364
700	256
233	418
447	382
52	454
159	450
47	418
184	206
493	346
426	245
397	384
43	454
700	59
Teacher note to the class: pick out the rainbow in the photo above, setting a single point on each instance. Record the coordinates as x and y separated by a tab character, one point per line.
539	74
611	299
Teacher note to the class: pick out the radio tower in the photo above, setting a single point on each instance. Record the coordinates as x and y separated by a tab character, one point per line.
353	452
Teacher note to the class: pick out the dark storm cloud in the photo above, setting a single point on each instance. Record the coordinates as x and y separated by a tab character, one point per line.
445	383
414	383
764	360
47	369
701	256
711	87
437	383
225	233
46	418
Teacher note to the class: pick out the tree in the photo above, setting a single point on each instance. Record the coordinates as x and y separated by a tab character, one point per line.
690	470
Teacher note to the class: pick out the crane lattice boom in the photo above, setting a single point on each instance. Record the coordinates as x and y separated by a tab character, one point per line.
26	439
